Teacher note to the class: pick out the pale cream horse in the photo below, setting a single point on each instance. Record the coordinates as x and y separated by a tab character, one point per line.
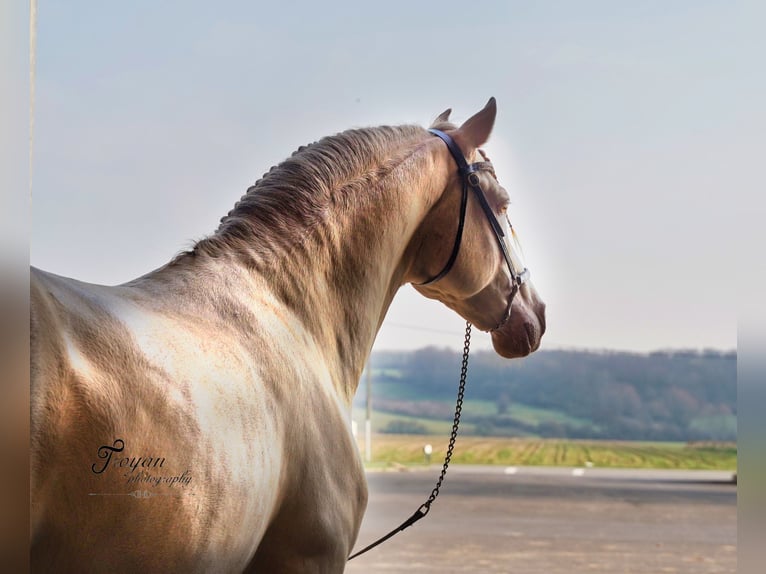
195	419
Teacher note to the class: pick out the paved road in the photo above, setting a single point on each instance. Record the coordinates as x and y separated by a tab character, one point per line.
537	520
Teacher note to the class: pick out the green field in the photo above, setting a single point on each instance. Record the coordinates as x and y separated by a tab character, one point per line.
390	449
523	413
381	419
471	408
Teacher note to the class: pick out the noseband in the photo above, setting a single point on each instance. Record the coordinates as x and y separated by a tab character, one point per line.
468	173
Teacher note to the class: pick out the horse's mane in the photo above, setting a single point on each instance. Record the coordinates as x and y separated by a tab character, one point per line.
296	194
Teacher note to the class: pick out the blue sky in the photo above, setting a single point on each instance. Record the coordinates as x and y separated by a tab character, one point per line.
624	134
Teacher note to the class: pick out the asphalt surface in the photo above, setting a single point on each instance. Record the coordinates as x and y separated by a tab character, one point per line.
544	520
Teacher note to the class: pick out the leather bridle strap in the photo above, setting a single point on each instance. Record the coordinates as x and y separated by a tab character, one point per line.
468	173
458	239
463	169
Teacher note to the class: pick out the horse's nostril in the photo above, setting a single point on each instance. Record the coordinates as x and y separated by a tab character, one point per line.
531	333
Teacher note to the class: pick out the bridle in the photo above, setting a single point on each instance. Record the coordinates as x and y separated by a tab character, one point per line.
469	175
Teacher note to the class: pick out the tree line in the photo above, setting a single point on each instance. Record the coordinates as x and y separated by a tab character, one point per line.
665	395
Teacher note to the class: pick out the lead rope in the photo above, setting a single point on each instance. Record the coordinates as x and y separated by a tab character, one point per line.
426	506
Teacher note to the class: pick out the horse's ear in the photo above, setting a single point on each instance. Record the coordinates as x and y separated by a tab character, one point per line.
442	117
476	129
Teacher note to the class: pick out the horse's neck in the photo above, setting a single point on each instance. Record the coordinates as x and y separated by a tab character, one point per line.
341	281
342	275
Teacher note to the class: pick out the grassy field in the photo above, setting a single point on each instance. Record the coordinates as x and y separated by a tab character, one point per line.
381	419
522	413
408	449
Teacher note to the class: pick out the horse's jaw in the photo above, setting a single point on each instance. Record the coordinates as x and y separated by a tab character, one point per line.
523	331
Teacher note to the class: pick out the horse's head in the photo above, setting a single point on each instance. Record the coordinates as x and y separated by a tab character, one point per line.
468	256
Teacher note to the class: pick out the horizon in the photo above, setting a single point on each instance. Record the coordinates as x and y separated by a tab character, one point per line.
723	352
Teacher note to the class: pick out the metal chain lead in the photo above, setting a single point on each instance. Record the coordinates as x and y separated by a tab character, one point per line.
426	506
458	412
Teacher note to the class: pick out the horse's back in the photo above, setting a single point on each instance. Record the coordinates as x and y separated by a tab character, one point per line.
109	370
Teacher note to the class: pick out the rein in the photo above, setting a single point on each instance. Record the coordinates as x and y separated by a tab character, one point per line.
426	506
468	174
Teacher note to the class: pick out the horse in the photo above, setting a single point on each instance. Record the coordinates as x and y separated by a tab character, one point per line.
195	419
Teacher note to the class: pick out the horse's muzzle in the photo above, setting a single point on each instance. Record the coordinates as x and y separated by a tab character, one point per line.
523	332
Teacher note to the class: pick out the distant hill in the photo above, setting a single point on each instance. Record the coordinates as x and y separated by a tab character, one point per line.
662	396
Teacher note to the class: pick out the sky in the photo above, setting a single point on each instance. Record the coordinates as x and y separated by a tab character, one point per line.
619	138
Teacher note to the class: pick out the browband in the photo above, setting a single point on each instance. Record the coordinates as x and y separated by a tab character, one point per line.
470	178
